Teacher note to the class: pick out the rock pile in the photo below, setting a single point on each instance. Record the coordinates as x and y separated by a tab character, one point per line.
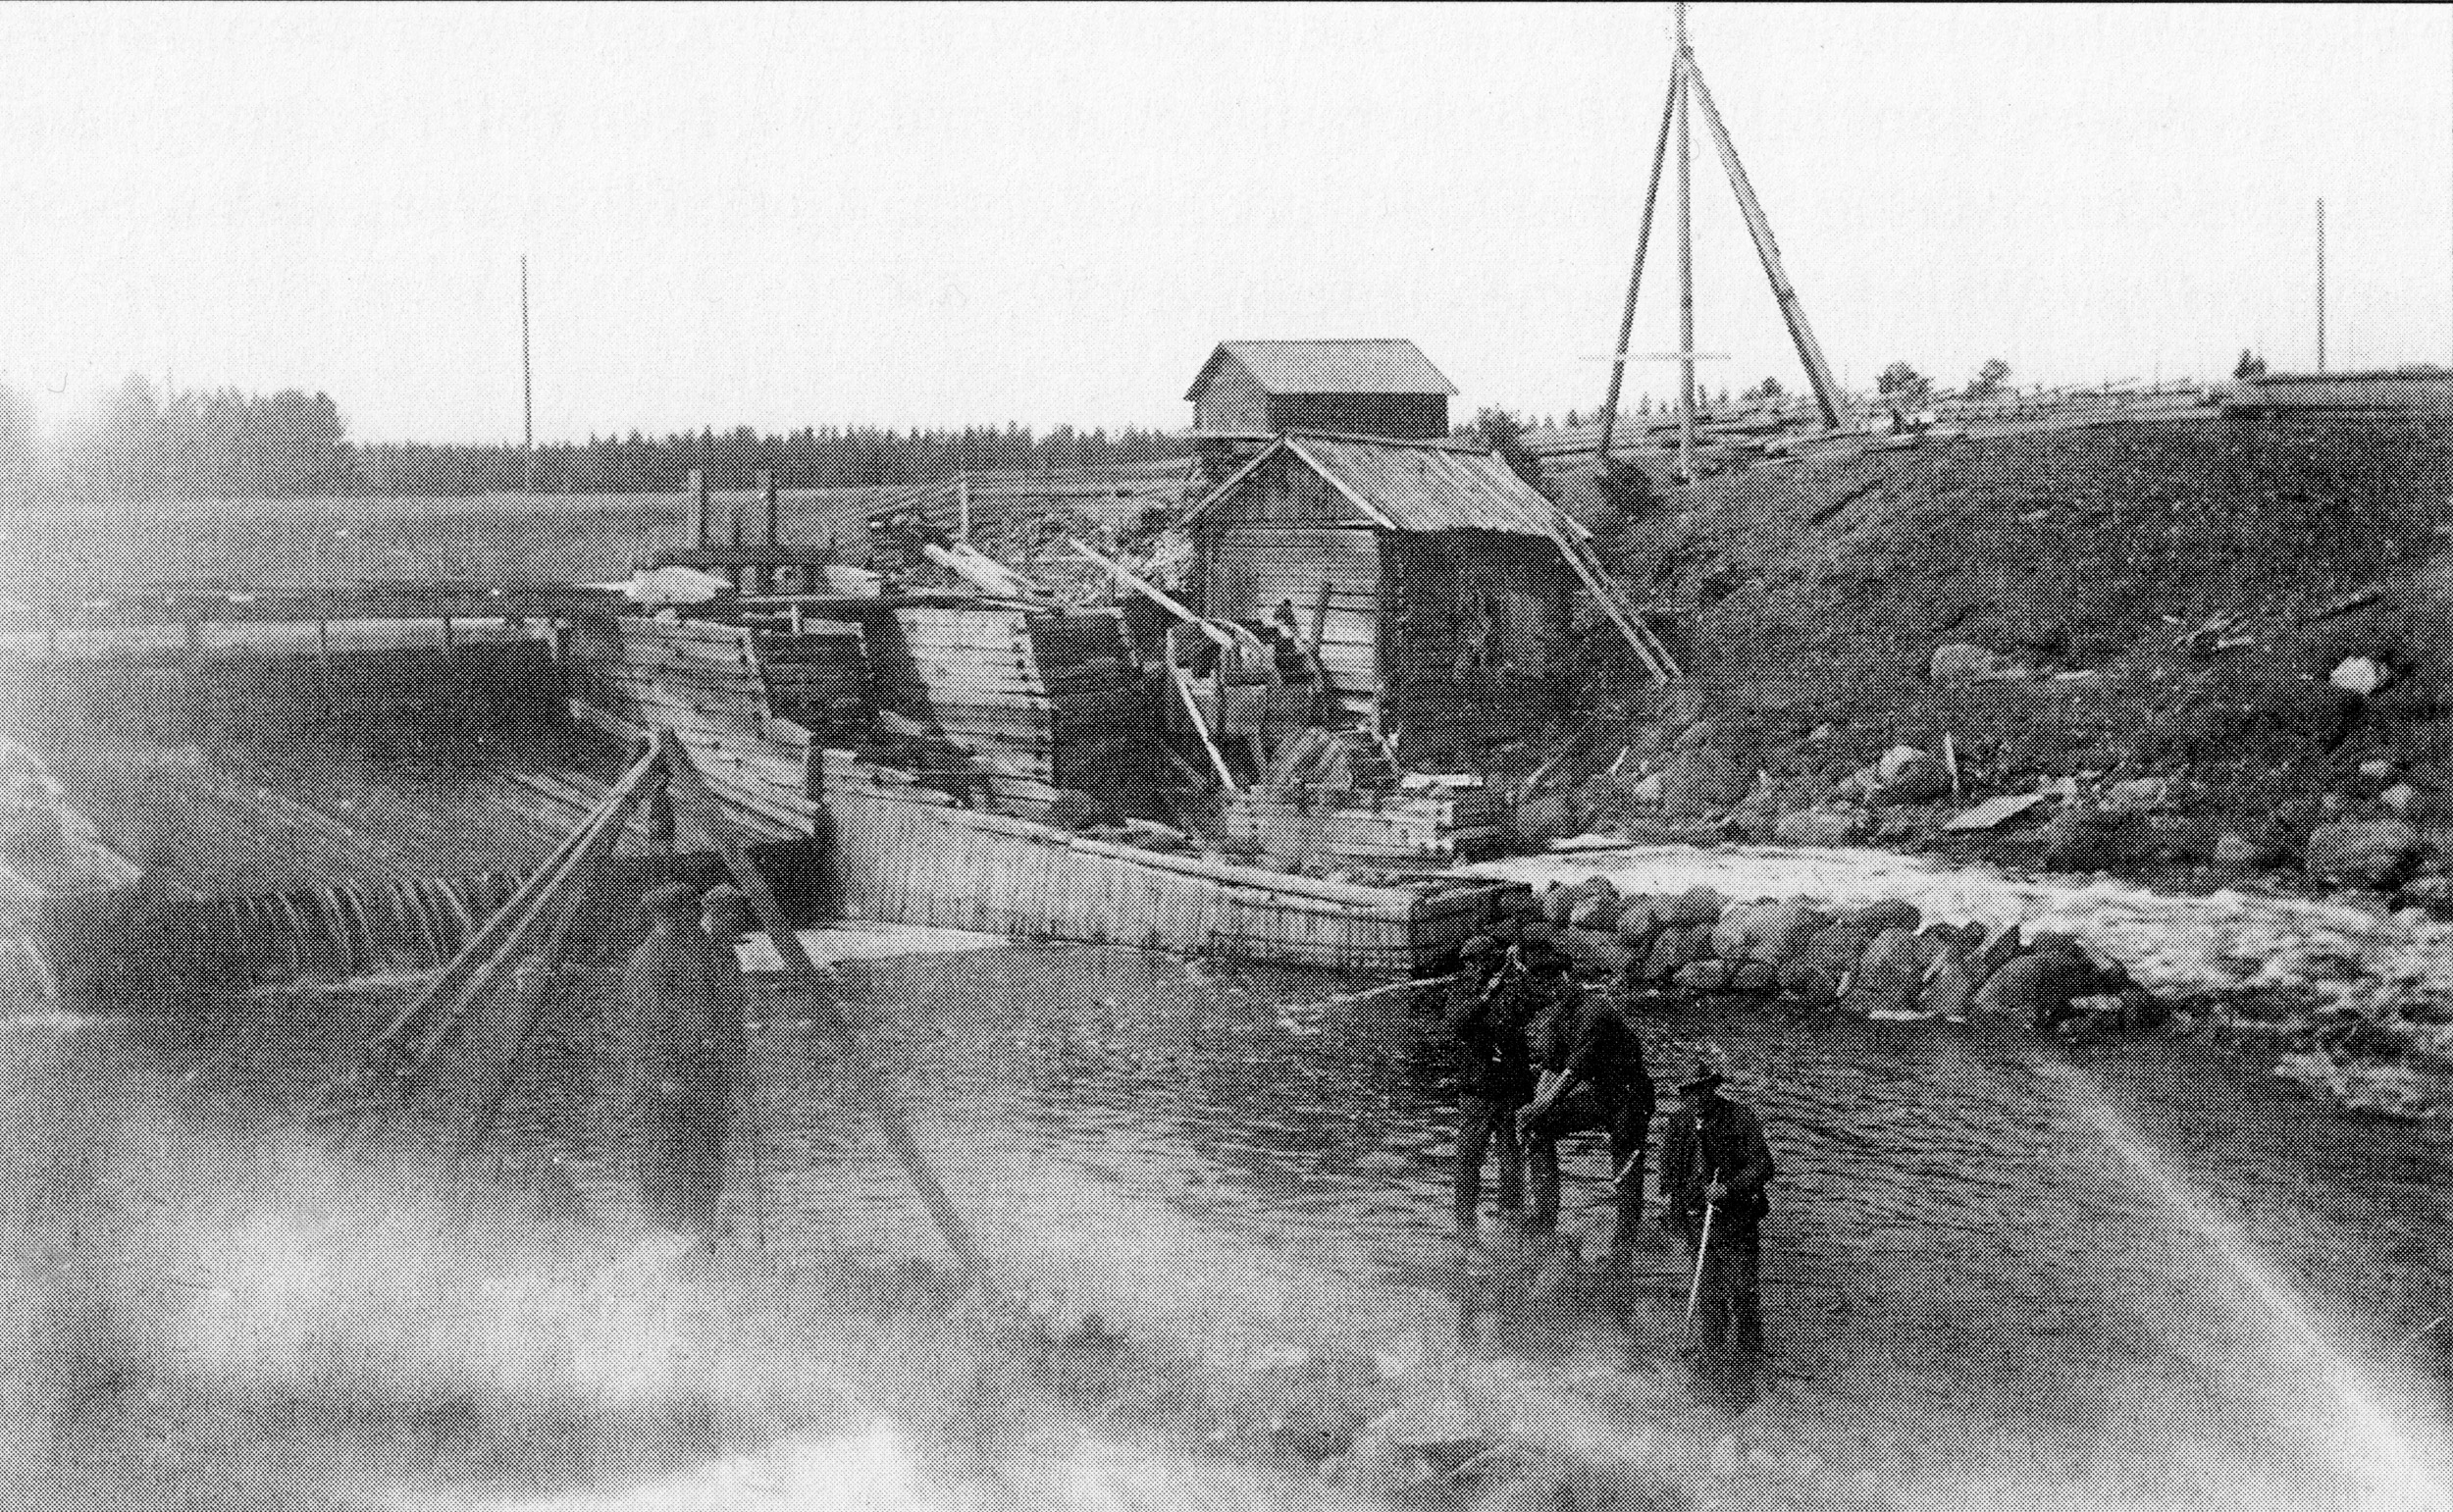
1879	960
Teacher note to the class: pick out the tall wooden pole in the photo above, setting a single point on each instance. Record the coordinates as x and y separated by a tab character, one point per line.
1828	394
1686	264
1634	275
2321	286
528	394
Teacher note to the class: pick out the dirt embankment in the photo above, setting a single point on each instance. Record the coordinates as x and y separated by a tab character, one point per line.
2221	634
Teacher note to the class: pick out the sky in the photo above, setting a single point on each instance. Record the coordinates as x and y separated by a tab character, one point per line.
911	215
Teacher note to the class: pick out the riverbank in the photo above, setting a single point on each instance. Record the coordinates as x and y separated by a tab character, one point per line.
2358	998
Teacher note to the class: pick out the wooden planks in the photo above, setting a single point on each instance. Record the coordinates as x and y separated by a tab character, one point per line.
906	855
1047	701
1390	832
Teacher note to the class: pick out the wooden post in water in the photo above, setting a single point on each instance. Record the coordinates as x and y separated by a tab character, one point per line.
698	537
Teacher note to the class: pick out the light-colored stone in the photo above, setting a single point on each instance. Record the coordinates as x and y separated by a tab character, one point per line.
1889	976
1819	826
2358	674
2139	792
1704	975
2375	854
2237	852
1912	776
1695	906
1960	662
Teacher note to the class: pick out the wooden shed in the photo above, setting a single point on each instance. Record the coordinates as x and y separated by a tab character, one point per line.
1361	387
1429	575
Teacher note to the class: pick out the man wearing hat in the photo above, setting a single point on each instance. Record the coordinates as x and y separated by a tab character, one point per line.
685	1039
1714	1162
1487	1022
1590	1053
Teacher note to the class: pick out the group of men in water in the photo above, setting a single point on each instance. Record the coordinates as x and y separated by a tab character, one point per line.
1537	1057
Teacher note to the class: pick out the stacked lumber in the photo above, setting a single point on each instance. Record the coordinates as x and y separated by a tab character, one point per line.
702	681
818	677
1041	700
1386	832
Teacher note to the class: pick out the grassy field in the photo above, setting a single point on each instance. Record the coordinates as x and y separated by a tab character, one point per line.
53	550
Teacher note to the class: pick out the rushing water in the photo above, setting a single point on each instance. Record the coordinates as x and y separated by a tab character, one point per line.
1249	1156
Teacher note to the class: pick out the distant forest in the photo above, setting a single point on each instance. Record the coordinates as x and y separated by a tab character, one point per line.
142	440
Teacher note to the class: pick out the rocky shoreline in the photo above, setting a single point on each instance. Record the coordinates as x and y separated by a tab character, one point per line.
2357	1001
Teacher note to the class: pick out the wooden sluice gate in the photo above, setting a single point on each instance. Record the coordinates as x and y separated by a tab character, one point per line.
905	853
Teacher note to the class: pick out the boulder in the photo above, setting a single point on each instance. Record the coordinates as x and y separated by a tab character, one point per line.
2360	675
1638	917
2037	988
1646	791
2235	852
1888	913
1704	975
1695	906
1999	947
2139	794
1772	931
1950	985
1754	977
1960	662
2375	854
1701	781
1596	909
1675	947
2086	838
1557	905
1819	826
2403	799
1889	976
1912	776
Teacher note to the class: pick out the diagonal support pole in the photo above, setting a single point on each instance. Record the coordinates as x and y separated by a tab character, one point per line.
1827	394
1635	275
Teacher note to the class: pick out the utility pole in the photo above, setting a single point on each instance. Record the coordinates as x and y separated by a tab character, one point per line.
2321	286
528	395
1685	264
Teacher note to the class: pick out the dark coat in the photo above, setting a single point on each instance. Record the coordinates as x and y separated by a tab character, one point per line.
1721	1138
685	1021
1488	1015
1586	1037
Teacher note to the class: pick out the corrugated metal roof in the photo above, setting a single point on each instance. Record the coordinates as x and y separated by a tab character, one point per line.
1414	487
1364	366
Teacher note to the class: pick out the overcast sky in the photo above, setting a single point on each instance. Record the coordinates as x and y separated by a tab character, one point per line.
940	214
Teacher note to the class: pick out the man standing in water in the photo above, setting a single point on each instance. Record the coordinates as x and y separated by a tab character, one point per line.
1714	1166
1587	1042
685	1039
1486	1024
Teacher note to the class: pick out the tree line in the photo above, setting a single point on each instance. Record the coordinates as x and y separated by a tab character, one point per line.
145	441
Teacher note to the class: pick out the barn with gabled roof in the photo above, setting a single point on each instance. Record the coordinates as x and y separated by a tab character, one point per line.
1427	573
1381	386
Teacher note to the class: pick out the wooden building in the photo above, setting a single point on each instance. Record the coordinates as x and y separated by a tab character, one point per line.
1256	389
1428	575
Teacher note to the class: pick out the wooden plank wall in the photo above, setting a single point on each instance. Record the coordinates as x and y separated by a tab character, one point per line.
1444	719
1045	701
702	680
1274	541
1394	832
905	853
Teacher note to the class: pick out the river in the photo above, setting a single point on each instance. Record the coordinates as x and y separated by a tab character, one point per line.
2144	1270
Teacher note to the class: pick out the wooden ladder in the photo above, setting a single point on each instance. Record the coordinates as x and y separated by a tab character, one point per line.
1619	605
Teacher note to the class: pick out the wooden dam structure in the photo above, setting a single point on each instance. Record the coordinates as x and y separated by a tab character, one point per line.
1286	769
